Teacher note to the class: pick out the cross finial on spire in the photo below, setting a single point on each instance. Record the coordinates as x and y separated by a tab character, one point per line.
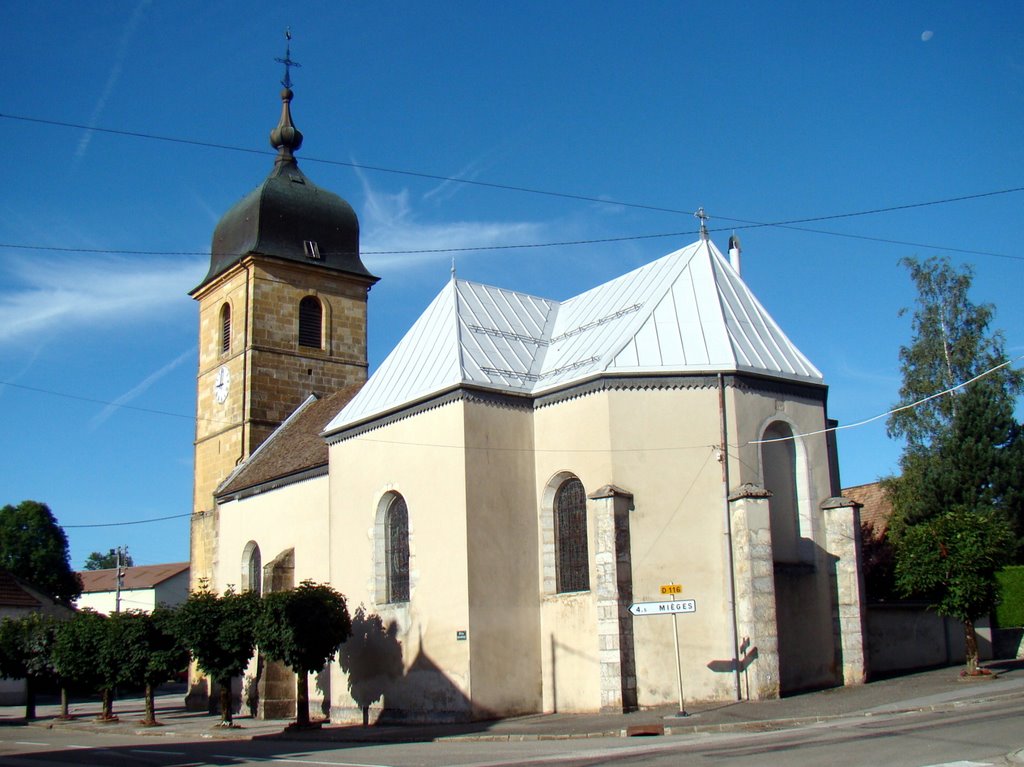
703	217
287	60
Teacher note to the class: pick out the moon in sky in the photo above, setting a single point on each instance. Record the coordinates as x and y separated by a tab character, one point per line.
927	35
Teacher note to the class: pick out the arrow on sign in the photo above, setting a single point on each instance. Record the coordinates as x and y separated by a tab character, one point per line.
664	608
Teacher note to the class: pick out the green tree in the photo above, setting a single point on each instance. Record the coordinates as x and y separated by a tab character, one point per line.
108	561
34	548
953	342
149	651
303	628
219	633
77	653
956	556
959	489
26	645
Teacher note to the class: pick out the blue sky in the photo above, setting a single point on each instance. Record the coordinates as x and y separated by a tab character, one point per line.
758	112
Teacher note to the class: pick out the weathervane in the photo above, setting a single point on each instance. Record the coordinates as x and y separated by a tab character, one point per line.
703	217
287	60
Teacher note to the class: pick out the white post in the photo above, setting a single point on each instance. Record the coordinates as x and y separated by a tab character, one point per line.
679	663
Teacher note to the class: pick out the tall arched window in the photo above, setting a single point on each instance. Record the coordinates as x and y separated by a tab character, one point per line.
778	457
225	328
572	567
396	550
311	318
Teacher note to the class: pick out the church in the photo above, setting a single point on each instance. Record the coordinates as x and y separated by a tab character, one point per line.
621	500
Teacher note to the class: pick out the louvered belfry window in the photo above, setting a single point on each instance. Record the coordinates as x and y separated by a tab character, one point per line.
311	316
225	329
572	569
396	528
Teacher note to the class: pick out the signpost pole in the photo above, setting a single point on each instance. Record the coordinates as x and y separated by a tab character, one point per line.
679	665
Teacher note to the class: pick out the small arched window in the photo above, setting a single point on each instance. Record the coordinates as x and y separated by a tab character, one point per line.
225	328
311	318
252	568
572	568
396	552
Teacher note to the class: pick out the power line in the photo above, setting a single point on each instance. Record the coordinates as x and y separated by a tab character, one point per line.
789	224
134	522
108	403
343	163
93	400
744	223
895	410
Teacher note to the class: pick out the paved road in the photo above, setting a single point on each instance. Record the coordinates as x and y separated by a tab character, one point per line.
974	733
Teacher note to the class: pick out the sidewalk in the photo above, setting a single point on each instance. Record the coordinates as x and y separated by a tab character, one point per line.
929	690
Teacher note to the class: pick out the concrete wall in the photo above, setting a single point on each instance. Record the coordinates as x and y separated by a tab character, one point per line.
294	517
423	459
106	601
808	655
484	632
503	560
904	637
677	536
12	692
572	439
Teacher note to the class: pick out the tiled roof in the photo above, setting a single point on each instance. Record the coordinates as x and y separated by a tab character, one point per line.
688	312
296	446
876	508
13	594
141	577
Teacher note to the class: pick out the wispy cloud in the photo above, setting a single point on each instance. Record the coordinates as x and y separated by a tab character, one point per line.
448	189
141	387
69	293
390	223
115	74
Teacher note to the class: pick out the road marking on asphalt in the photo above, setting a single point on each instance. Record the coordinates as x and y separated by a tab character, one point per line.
961	764
29	743
156	751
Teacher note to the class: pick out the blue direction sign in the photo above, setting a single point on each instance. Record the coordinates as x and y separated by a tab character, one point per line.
664	608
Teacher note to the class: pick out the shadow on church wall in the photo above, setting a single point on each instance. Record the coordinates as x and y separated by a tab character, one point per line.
372	658
385	692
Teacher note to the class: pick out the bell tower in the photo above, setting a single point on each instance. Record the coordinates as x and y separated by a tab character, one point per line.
282	313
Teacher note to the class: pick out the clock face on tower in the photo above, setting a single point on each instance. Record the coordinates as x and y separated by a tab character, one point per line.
221	385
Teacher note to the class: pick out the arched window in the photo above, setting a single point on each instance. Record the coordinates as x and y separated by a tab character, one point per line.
396	550
778	456
252	568
311	317
225	329
572	568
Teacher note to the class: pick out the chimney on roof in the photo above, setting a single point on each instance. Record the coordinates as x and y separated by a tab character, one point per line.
734	252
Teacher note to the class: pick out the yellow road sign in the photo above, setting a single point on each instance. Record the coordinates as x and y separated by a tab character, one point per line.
671	588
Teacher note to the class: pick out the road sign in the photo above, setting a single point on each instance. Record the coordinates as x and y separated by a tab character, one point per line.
671	588
664	608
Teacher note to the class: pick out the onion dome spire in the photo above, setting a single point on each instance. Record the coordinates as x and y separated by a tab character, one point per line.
286	138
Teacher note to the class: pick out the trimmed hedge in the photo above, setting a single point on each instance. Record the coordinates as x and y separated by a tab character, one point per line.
1010	612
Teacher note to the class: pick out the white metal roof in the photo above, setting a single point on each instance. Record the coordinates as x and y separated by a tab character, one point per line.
687	312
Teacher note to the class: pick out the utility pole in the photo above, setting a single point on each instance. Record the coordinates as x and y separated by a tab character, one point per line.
122	556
